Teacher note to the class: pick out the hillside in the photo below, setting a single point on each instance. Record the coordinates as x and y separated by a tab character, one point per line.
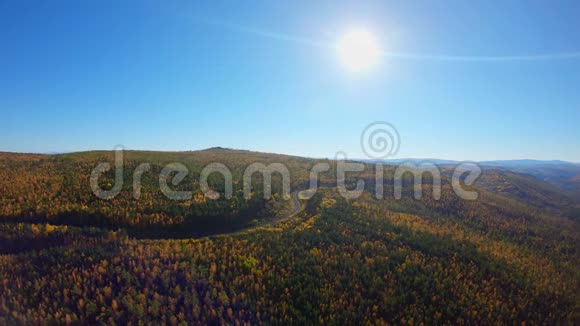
565	176
56	189
71	257
526	188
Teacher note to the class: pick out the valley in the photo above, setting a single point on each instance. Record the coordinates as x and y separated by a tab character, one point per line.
512	254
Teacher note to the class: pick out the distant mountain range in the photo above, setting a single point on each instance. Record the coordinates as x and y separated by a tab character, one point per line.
528	163
561	174
500	163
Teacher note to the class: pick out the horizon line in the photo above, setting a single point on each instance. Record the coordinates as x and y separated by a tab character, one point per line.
367	160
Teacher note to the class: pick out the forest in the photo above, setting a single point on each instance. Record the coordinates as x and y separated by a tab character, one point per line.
66	256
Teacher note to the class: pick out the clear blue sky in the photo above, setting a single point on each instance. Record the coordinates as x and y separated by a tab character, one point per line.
181	75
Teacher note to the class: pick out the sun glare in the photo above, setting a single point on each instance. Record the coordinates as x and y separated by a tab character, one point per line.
358	50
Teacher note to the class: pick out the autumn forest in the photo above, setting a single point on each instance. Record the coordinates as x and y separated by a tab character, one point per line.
69	257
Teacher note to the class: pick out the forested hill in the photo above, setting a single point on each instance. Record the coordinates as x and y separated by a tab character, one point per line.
48	186
56	189
67	256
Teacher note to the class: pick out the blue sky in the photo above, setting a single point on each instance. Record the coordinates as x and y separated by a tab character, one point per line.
264	75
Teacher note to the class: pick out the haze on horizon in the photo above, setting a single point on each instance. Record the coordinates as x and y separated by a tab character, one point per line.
291	78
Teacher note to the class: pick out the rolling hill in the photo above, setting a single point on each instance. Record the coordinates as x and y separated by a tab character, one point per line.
70	257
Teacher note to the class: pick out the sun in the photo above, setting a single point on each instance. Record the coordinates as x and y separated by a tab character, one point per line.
358	50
